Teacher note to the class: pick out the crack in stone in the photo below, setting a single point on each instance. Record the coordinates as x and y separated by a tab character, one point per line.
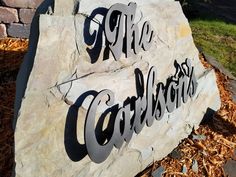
91	73
76	44
71	83
162	40
205	73
93	19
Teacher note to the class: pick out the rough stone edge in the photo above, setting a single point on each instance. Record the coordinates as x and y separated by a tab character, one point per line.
26	66
232	84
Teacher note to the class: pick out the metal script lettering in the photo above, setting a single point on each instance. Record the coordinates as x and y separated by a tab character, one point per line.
145	107
118	16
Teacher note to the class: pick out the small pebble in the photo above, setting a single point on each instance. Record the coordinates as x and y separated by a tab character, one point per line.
184	169
199	137
195	166
158	172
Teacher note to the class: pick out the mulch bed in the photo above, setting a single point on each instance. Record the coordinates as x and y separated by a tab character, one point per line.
12	52
203	153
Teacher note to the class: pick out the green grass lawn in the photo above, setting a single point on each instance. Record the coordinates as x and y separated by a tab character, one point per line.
217	39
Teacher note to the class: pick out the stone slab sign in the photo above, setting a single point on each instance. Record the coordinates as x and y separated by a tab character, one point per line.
107	88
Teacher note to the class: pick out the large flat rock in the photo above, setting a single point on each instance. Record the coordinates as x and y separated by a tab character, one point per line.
67	65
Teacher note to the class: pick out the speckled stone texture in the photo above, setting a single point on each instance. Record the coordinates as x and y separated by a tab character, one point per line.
8	15
19	30
26	15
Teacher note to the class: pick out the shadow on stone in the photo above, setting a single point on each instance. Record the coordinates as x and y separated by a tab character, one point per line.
96	38
26	66
75	150
28	61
